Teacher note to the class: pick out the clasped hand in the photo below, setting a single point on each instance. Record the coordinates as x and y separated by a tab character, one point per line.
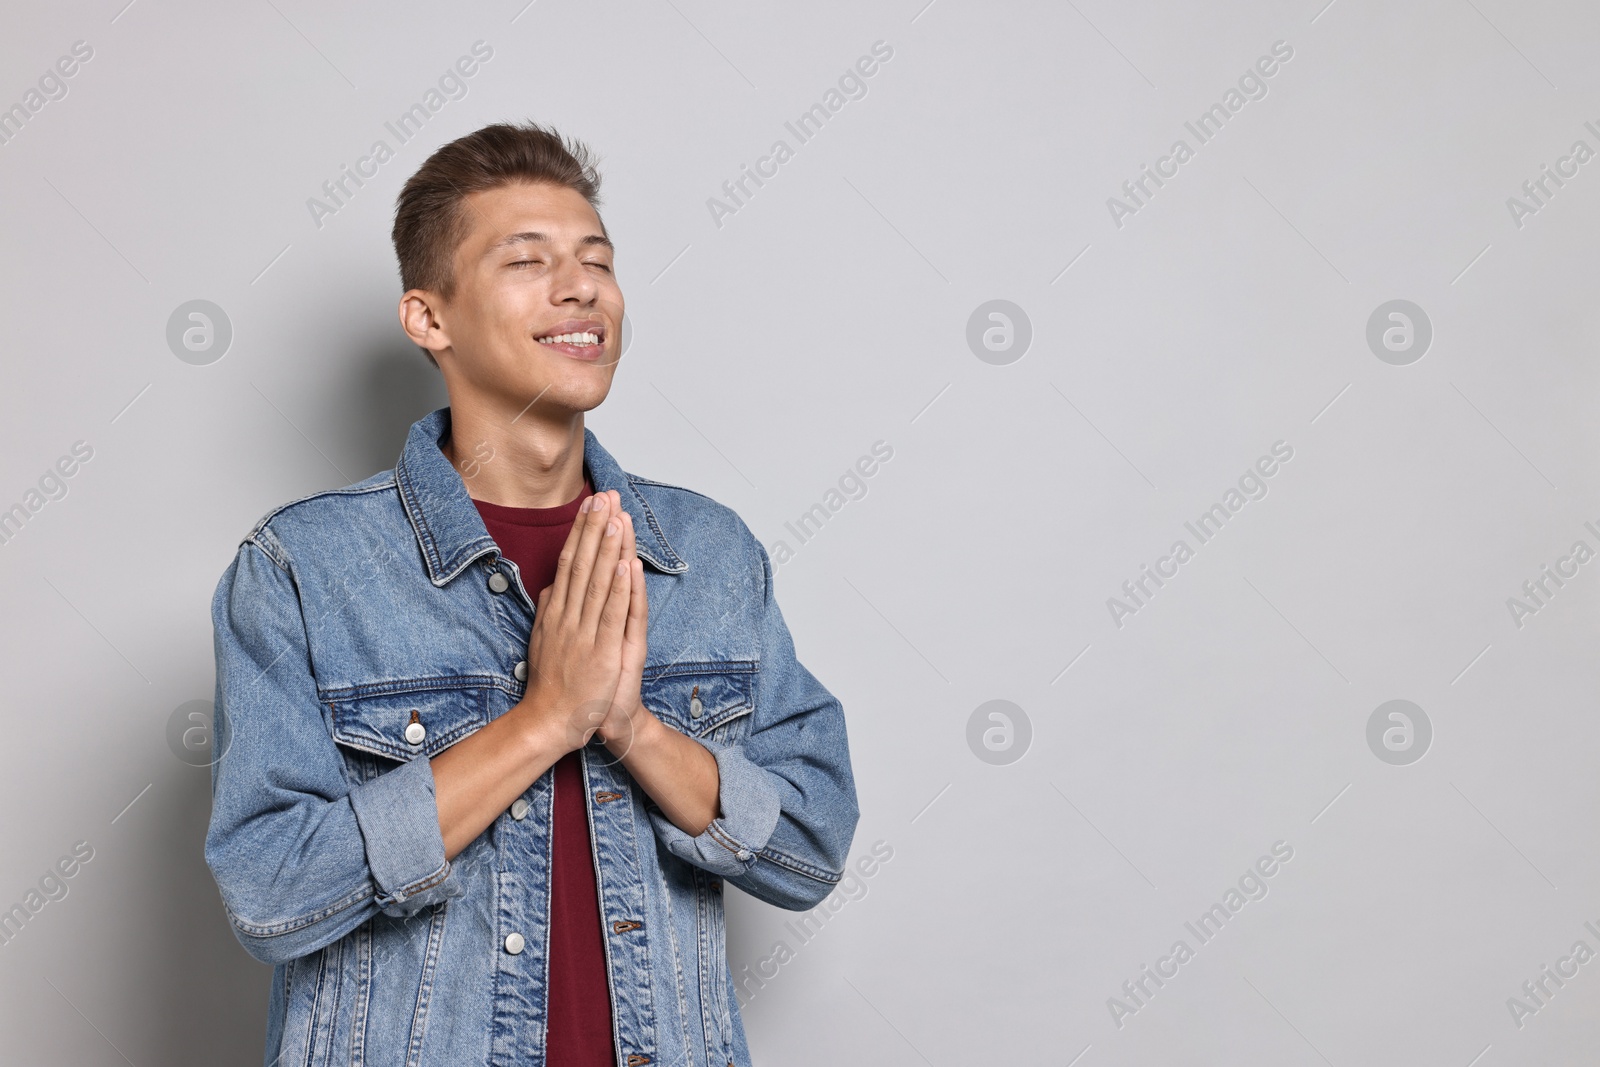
586	654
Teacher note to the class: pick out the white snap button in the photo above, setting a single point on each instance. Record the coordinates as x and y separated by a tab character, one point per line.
519	809
415	732
499	582
514	943
521	670
695	708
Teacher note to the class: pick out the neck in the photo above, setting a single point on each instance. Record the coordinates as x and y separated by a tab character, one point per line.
516	459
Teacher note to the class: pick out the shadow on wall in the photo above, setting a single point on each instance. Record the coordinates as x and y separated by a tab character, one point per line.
211	991
391	384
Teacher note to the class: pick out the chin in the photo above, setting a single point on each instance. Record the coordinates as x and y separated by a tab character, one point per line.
569	395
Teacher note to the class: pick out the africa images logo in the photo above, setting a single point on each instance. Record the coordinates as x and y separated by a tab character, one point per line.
451	85
1252	485
852	85
1252	85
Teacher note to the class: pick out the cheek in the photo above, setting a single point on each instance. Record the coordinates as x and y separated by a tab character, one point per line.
507	320
610	300
492	344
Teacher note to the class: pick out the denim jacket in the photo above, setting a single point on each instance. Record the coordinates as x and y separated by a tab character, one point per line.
362	630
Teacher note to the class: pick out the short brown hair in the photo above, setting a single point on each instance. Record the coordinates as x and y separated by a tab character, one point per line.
430	215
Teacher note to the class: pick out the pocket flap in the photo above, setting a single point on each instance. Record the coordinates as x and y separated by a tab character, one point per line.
387	723
722	691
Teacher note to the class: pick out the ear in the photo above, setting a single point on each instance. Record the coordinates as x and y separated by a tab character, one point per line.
420	319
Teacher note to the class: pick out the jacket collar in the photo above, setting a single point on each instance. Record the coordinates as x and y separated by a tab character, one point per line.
449	529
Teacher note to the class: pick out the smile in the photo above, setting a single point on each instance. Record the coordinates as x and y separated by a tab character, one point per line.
576	338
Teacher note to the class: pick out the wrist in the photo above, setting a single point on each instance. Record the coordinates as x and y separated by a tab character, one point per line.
541	736
642	736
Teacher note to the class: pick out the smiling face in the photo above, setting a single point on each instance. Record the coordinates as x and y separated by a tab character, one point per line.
535	265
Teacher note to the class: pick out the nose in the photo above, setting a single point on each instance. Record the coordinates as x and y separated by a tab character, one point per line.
572	283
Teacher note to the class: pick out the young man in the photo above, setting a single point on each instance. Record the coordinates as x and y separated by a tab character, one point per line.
502	721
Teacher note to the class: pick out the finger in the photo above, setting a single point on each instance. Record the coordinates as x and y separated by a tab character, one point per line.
569	552
582	568
630	547
603	578
614	613
539	608
600	577
639	605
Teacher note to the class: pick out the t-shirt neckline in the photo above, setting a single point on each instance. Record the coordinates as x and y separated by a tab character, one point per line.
553	516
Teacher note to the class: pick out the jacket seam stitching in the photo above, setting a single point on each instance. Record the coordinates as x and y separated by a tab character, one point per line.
408	686
650	517
341	491
642	480
426	882
437	743
720	835
299	922
419	522
783	859
680	668
273	551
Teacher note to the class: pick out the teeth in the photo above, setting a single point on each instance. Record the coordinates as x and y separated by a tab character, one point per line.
585	338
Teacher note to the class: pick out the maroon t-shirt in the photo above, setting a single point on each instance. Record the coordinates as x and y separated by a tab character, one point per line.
579	1008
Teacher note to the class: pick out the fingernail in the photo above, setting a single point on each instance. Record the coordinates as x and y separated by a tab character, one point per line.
612	527
622	568
585	505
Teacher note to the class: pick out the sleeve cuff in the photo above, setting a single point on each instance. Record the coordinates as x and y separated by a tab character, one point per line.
399	820
748	796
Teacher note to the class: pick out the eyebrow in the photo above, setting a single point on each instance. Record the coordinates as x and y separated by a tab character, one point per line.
534	235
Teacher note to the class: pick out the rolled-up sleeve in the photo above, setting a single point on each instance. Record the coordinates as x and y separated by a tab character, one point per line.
751	801
786	790
300	855
399	819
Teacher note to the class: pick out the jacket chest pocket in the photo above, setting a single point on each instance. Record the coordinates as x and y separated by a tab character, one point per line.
707	700
401	724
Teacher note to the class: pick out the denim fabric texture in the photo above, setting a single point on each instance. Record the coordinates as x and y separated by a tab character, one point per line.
357	634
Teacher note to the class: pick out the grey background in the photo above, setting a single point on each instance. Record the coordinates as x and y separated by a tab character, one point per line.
768	354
